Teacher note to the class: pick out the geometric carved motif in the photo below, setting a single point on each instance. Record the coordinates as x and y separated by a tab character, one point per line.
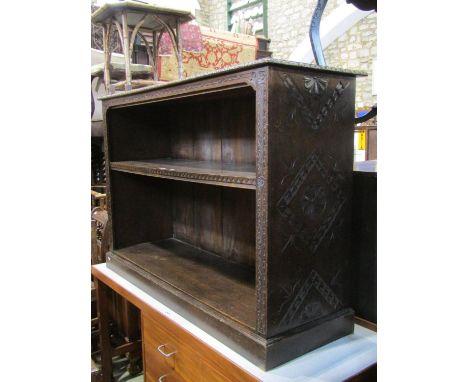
315	85
303	102
329	104
313	281
318	202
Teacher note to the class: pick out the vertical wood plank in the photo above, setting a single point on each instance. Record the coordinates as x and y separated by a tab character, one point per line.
208	217
238	130
207	132
155	54
132	332
207	200
107	55
103	315
183	213
126	51
182	135
238	207
179	50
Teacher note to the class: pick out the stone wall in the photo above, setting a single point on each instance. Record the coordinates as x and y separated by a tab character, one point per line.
289	22
218	14
203	14
357	49
213	13
288	25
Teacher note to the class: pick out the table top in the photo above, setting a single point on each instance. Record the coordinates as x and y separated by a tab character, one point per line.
336	361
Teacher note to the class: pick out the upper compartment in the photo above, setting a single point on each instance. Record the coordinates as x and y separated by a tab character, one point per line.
206	138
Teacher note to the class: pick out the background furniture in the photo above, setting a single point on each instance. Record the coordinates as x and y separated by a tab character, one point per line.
365	241
218	50
132	18
96	374
99	246
231	201
120	321
248	16
180	350
370	129
100	231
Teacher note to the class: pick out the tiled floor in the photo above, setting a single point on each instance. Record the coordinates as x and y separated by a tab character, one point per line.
126	378
121	374
120	371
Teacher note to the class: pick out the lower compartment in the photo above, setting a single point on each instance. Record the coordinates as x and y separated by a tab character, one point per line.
265	353
224	286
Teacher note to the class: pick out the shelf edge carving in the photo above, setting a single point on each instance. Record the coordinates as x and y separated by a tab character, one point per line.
188	176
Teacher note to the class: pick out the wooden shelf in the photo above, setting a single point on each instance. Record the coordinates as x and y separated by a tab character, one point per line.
208	172
210	279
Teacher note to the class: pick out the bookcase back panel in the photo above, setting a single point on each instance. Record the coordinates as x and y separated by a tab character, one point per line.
194	129
141	209
221	130
220	220
138	132
217	219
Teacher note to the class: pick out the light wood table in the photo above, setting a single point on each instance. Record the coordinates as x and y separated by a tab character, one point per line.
201	357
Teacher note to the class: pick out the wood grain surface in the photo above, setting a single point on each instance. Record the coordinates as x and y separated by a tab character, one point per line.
230	290
208	172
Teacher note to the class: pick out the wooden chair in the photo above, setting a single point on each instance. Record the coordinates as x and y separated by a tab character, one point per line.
96	374
98	200
99	246
100	236
115	322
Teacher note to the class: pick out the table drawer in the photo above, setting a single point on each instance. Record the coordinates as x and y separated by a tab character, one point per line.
156	370
193	360
166	355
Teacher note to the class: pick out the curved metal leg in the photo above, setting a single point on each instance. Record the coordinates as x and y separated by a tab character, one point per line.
314	33
370	114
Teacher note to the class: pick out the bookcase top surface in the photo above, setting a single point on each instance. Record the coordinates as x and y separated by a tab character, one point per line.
235	68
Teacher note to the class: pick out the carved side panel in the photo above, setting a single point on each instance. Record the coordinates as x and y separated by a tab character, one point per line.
262	128
310	169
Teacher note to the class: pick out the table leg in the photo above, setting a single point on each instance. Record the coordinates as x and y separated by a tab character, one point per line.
103	314
132	333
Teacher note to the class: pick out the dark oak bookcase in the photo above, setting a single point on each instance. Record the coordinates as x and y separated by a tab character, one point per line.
230	202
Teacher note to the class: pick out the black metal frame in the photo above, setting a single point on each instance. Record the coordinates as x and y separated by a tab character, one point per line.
314	35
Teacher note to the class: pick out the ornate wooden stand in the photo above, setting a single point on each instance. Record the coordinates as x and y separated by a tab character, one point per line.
132	19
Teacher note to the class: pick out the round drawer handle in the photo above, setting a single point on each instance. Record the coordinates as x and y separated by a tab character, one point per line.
162	378
167	355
